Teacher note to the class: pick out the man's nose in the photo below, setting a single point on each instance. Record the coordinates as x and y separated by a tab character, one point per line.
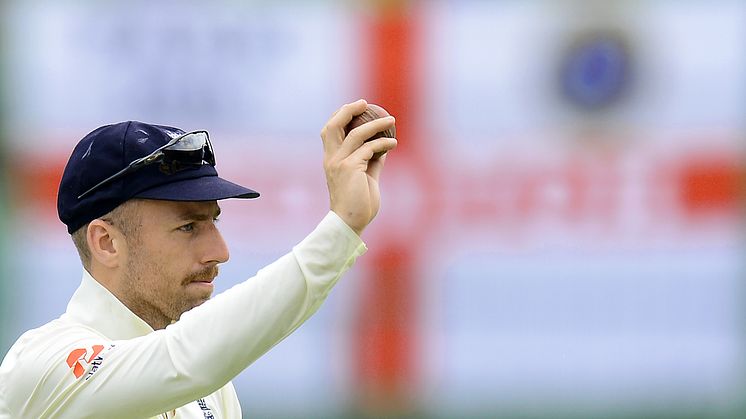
215	249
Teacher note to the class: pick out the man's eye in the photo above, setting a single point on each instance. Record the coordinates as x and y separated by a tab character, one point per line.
187	227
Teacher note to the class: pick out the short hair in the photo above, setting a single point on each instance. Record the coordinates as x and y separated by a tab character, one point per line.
123	217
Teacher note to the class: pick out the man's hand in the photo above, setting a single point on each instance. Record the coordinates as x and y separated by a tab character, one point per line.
351	174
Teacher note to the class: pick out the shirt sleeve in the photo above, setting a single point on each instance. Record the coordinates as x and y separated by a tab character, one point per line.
195	356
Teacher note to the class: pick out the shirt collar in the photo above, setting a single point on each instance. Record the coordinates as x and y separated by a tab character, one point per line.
94	306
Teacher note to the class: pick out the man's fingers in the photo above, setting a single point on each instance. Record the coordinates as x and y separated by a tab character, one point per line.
380	145
333	133
359	135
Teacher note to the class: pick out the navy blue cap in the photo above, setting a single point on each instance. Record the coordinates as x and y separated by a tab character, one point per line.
109	149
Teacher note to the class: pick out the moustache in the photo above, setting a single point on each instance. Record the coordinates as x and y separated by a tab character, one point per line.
205	275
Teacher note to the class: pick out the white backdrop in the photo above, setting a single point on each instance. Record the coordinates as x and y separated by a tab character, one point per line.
567	268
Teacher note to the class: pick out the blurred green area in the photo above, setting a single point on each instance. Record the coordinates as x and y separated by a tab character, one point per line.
5	313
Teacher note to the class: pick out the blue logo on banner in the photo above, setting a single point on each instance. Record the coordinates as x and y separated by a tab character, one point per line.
595	71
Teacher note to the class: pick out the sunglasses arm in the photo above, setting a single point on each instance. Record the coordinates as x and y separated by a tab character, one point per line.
130	168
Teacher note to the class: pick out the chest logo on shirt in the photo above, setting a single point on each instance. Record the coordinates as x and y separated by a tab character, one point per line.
80	358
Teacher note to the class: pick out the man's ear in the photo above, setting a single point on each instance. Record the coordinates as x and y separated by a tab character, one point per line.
106	243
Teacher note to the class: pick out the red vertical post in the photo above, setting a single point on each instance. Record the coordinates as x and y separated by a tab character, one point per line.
384	338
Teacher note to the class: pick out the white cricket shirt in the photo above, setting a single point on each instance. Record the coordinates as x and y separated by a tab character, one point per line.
99	360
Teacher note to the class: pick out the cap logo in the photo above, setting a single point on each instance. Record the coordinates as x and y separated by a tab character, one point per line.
143	139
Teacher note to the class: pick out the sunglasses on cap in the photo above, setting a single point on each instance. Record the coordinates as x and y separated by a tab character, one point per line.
189	150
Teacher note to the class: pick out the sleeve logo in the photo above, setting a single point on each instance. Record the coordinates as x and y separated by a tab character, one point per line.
80	358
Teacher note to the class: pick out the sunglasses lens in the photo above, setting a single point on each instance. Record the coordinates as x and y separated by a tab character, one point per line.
190	142
193	149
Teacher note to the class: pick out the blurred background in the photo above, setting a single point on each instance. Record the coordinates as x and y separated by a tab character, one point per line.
562	233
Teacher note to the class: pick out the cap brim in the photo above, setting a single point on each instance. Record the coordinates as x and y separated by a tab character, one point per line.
206	188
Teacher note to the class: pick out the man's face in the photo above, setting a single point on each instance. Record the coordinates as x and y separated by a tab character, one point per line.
172	259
